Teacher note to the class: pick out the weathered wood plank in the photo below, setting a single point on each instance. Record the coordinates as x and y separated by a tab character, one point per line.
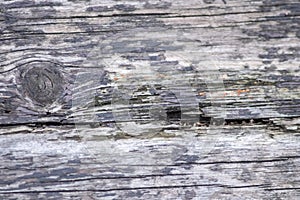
179	66
52	162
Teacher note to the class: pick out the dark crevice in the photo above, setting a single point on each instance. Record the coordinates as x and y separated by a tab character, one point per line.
38	124
114	177
278	159
134	188
162	15
173	118
278	189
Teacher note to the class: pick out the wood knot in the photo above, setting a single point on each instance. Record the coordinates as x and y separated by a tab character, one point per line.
42	82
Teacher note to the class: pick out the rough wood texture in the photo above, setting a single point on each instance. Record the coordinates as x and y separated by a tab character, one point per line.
151	99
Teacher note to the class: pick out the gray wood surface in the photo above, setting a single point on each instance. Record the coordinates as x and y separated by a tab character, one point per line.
150	99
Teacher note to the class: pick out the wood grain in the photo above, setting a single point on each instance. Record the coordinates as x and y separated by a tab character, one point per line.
149	99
